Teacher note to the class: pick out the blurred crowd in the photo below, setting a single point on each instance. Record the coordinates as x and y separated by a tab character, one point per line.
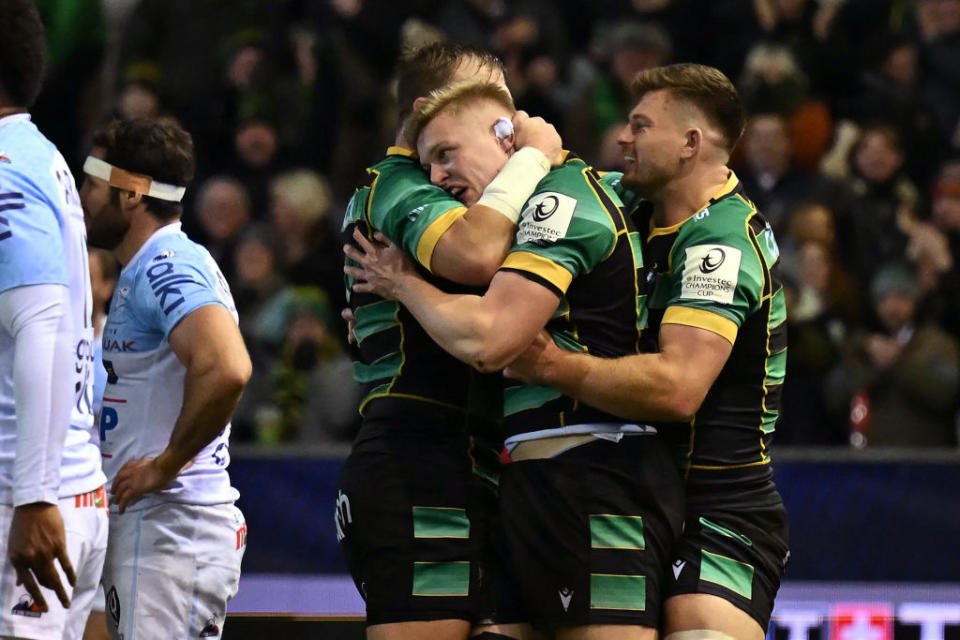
852	152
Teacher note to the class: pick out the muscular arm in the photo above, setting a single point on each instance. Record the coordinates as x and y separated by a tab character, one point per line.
669	385
208	343
485	331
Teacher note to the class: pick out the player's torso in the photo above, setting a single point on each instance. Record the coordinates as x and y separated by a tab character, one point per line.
145	379
39	200
603	311
728	439
395	357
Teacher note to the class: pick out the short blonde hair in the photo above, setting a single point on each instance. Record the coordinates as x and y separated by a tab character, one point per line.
453	97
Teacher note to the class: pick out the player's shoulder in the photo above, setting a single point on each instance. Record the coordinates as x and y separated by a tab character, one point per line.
27	159
728	219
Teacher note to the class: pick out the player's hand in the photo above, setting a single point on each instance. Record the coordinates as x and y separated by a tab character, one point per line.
537	133
351	320
137	477
536	364
36	539
383	266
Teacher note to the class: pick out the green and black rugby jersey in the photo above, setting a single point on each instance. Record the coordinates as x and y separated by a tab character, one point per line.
574	238
395	357
718	270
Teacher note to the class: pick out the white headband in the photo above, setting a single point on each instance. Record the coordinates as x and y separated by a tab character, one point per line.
136	182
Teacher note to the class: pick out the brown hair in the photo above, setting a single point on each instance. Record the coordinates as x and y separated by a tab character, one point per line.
422	70
22	53
706	88
156	147
452	97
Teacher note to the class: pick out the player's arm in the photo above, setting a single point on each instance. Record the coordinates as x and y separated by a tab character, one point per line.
37	318
485	331
668	385
208	343
472	247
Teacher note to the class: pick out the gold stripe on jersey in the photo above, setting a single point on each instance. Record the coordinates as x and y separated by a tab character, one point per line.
702	319
401	151
431	236
366	209
765	299
728	186
540	266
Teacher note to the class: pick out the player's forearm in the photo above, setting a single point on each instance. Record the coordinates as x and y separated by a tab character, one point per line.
211	392
636	387
457	323
43	387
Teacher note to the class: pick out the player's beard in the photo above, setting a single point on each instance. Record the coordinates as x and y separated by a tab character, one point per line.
107	228
646	180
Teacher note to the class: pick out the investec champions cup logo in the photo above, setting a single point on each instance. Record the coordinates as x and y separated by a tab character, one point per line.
546	218
710	272
545	208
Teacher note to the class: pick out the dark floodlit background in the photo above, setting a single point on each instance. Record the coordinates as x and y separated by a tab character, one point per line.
852	152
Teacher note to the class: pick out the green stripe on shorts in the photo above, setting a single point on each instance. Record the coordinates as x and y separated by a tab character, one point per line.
727	572
440	522
441	578
616	532
609	591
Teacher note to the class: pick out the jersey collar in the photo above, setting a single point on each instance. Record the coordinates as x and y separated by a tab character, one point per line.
162	232
14	117
401	151
728	187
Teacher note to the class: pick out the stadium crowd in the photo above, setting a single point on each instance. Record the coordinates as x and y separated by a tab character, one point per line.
852	152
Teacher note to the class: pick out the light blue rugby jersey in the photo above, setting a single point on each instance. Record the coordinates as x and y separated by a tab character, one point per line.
43	241
169	277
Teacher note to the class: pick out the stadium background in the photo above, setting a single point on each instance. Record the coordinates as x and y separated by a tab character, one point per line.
852	152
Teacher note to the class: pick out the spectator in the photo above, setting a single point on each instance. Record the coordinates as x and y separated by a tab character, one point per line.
906	372
307	394
767	172
223	211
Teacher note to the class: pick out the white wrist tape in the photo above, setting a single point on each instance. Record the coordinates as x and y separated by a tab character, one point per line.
516	182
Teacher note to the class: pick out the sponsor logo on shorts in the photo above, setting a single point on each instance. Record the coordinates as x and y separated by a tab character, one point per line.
26	607
342	515
678	568
211	630
242	536
566	595
113	607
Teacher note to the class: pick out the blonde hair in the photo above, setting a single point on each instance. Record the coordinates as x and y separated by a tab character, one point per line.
306	191
453	97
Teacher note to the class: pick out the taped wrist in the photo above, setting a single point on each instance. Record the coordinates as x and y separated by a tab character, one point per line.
516	182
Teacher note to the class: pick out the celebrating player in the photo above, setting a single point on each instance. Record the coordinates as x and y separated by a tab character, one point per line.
591	506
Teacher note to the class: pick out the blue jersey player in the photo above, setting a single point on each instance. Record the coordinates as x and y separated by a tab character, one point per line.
176	365
51	486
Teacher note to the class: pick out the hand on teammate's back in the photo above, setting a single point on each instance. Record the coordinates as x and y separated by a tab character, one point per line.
538	133
37	538
383	266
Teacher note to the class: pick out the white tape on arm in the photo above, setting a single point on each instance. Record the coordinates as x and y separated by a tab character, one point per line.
516	182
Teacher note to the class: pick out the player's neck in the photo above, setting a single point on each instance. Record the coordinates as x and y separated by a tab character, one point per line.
9	111
685	196
142	227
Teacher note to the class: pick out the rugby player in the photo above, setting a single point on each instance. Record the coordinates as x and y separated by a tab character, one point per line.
52	502
416	505
716	370
590	505
176	365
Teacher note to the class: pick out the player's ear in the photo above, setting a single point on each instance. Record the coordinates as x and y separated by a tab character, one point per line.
419	102
692	143
503	130
132	198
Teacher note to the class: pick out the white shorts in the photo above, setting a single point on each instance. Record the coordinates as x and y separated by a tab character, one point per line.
171	569
85	523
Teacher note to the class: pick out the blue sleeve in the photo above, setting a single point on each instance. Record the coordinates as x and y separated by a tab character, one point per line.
173	284
31	245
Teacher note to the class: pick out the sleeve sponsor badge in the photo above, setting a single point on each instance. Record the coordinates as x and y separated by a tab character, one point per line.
546	218
710	272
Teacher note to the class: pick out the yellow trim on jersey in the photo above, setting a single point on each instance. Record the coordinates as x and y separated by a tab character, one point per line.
727	187
702	319
401	151
719	467
543	267
431	236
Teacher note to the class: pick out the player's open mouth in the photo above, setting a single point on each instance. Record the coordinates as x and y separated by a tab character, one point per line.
457	192
629	159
